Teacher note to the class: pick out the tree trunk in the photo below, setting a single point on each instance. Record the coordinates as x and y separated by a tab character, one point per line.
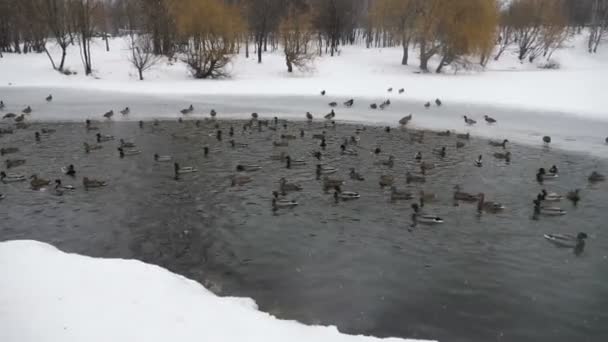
260	51
141	74
63	54
289	65
50	58
424	60
105	37
406	52
247	47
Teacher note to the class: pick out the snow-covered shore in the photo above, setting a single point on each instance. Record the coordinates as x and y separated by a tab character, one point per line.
48	295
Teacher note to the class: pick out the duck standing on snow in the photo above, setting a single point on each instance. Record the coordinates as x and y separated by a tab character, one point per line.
125	111
427	105
469	121
27	110
330	115
309	116
1	105
49	98
502	144
489	119
187	110
349	103
405	120
438	102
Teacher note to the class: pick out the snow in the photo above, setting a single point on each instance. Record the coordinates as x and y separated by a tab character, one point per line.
48	295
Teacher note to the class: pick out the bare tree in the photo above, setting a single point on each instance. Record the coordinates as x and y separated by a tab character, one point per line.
598	27
142	55
57	15
82	16
296	32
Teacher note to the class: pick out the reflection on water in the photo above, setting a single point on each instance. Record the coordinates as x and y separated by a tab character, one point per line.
356	264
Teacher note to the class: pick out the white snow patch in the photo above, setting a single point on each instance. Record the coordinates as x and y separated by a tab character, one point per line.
48	295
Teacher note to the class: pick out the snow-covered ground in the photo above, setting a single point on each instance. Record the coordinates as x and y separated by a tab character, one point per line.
48	295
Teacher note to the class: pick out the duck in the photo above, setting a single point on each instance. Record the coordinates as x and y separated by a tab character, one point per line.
405	120
37	136
418	156
49	98
323	144
386	180
574	196
69	170
542	175
502	144
27	110
460	144
309	116
488	206
38	183
162	159
8	150
187	110
131	152
325	170
567	240
286	187
349	103
390	90
293	162
427	105
347	152
547	139
489	120
401	91
254	116
89	183
330	115
9	115
373	106
10	163
478	162
400	195
47	131
280	157
354	175
329	183
554	170
424	218
426	197
88	148
20	118
288	137
409	178
213	113
109	114
59	185
319	136
103	138
283	204
503	156
438	102
469	121
440	151
333	104
248	168
280	143
235	144
550	196
184	169
239	180
11	177
2	105
345	195
464	136
547	211
323	92
125	111
89	126
596	177
390	162
126	144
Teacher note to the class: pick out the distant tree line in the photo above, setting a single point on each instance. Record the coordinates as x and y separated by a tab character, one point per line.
205	34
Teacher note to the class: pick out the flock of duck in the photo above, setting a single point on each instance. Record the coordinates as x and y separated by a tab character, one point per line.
544	203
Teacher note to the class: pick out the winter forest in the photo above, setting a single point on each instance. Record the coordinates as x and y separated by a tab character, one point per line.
207	34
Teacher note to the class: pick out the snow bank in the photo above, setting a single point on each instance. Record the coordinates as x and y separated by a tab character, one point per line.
578	87
48	295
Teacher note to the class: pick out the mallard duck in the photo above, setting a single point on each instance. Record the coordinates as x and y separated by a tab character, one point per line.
125	111
239	180
410	178
547	211
567	240
27	110
187	110
280	157
69	170
489	119
440	151
386	180
49	98
354	175
425	218
280	143
283	204
503	156
405	120
47	131
488	206
438	102
346	151
325	170
460	144
427	105
400	195
340	195
333	104
88	147
542	175
554	170
254	116
109	115
401	91
126	144
162	159
235	144
547	139
92	183
286	187
103	138
130	152
293	162
10	163
469	121
390	90
426	197
184	169
464	136
309	116
418	156
502	144
38	183
349	103
9	116
330	115
8	150
574	196
550	196
478	162
248	168
596	177
11	177
59	185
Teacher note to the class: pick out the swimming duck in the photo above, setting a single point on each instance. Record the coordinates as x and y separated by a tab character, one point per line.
478	162
280	143
440	151
109	114
131	152
346	151
8	150
126	144
89	126
469	121
418	156
248	168
125	111
574	196
354	175
239	180
550	196
187	110
400	195
162	159
349	103
92	183
464	136
27	110
426	197
323	92
567	240
309	116
88	148
234	144
325	170
286	187
47	131
553	170
488	206
38	183
11	177
438	102
37	136
386	180
460	144
401	91
542	175
503	156
293	162
183	170
69	170
547	211
331	115
425	218
502	144
547	139
596	177
281	203
345	195
103	138
405	120
409	178
427	105
288	137
59	185
489	119
10	163
390	162
9	115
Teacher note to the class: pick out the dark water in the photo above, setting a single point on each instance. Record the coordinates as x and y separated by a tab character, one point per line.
489	277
